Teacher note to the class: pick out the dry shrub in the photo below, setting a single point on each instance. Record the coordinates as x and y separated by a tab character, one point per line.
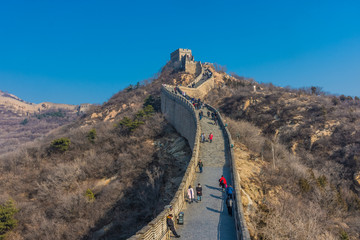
294	219
125	172
246	133
313	150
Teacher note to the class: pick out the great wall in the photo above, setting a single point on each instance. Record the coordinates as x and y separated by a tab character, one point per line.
206	220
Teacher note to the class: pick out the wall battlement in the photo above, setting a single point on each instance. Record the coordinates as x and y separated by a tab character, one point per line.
184	60
181	54
181	114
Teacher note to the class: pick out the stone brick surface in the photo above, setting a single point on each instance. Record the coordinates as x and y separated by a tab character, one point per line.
209	218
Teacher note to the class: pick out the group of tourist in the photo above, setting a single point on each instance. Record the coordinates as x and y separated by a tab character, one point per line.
213	115
223	184
229	193
203	138
191	196
198	104
190	190
208	73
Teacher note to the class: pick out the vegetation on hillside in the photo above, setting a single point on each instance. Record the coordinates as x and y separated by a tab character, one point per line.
100	176
111	172
7	220
309	142
59	114
16	130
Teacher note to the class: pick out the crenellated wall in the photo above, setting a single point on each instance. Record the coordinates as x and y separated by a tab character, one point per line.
198	78
181	114
193	67
202	90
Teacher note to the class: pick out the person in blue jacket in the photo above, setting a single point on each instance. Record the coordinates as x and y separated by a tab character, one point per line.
229	191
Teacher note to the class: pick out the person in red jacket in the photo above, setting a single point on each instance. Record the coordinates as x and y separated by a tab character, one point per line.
222	182
211	136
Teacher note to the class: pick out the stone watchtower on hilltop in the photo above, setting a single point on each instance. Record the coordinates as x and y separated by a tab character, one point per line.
183	60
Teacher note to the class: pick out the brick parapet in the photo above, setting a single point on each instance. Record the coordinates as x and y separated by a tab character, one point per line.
181	114
200	91
198	78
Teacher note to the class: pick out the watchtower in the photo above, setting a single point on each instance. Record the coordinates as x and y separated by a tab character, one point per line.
184	60
181	55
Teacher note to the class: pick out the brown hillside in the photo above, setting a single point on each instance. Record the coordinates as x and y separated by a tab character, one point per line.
22	122
301	173
121	167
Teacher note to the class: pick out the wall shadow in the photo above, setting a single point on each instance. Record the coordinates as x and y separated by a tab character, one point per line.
213	210
214	196
214	188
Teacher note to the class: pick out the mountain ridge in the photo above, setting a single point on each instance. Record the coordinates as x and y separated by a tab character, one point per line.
21	107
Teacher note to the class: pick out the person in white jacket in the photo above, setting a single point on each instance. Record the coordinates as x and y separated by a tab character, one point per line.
190	193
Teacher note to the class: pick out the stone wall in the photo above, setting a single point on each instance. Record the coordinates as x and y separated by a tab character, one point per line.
181	114
198	78
200	91
193	67
179	54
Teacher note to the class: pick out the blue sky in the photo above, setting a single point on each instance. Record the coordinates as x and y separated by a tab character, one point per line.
85	51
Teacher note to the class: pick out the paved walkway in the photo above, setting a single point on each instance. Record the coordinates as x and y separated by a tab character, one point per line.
201	81
209	218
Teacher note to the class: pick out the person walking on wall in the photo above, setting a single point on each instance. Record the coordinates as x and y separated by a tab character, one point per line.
229	204
202	137
211	136
222	182
229	191
190	193
170	224
200	164
199	192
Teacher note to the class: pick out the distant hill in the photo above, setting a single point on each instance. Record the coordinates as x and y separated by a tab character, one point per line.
15	105
22	121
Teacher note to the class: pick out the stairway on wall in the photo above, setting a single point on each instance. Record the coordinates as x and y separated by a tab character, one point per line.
209	218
